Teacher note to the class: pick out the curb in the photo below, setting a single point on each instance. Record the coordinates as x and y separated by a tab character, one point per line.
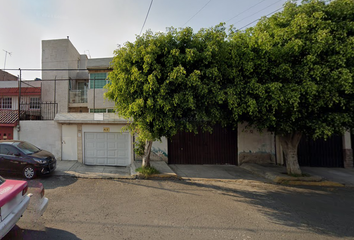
288	180
157	176
95	175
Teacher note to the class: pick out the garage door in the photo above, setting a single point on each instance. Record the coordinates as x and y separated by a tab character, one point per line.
107	149
218	147
320	152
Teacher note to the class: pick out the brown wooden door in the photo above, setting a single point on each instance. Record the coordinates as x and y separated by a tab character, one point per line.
218	147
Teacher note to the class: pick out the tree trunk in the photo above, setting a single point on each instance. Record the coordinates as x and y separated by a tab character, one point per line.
147	151
289	143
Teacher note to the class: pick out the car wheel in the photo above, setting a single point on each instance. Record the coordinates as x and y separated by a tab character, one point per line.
29	172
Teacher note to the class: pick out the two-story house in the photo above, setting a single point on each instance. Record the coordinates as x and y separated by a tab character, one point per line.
30	108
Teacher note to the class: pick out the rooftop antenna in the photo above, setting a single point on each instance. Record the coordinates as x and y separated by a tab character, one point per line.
6	52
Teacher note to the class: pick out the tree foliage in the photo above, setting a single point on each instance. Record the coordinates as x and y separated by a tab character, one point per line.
296	73
297	70
291	74
170	82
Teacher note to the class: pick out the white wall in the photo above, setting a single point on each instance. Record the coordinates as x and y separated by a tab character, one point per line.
59	54
254	146
44	134
159	151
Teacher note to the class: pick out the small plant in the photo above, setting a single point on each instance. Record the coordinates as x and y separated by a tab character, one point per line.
147	171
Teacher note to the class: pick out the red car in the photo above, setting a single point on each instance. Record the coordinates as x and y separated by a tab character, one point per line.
14	200
13	203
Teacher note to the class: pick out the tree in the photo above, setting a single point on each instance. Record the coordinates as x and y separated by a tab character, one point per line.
170	82
295	73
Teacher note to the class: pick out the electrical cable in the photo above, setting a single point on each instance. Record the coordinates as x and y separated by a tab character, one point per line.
258	11
146	17
245	11
197	13
260	19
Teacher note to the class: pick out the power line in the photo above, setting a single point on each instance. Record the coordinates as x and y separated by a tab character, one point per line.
258	11
197	12
56	69
245	11
146	17
260	19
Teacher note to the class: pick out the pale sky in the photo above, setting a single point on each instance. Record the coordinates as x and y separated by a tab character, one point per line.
96	28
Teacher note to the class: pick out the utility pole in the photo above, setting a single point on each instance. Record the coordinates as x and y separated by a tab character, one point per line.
6	52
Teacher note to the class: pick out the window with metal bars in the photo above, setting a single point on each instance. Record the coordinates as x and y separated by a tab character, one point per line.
35	103
6	103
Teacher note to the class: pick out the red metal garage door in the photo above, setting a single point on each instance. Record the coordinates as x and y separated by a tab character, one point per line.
218	147
6	133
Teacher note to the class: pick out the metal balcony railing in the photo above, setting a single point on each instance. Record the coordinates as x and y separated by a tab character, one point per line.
38	111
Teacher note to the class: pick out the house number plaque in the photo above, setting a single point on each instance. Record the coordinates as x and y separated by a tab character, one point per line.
105	129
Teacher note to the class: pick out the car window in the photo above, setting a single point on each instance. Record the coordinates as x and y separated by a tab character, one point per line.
27	148
8	150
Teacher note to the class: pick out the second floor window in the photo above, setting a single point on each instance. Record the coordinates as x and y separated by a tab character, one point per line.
103	110
34	103
6	103
98	80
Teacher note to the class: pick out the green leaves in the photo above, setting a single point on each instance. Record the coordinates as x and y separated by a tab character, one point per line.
292	72
169	82
299	70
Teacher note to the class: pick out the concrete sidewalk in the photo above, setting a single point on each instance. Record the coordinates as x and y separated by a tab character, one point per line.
264	173
77	169
335	177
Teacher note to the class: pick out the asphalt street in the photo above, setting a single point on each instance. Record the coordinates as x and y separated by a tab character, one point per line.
179	209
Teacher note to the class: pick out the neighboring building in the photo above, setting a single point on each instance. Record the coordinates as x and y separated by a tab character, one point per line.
9	95
5	76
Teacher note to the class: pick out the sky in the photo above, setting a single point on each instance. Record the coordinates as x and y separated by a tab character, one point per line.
97	28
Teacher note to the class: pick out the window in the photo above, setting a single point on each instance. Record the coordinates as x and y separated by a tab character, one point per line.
102	110
97	110
98	80
34	103
6	103
8	150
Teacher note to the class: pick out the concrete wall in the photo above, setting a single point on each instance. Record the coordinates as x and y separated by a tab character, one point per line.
159	151
59	54
254	146
100	101
44	134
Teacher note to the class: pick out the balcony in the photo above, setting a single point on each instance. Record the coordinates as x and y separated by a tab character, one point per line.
78	98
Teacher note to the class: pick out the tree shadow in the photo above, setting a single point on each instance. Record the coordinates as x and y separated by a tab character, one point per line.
325	211
16	233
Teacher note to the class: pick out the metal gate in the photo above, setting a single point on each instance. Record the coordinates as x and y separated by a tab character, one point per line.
320	152
218	147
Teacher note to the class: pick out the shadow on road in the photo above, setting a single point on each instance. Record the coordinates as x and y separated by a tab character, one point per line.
325	211
48	181
49	233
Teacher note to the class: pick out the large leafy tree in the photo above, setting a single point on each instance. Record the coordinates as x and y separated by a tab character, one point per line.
295	73
170	82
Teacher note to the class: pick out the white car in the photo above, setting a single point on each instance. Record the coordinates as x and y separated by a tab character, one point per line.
14	201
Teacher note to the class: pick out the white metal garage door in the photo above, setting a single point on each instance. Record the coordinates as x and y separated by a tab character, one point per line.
107	149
